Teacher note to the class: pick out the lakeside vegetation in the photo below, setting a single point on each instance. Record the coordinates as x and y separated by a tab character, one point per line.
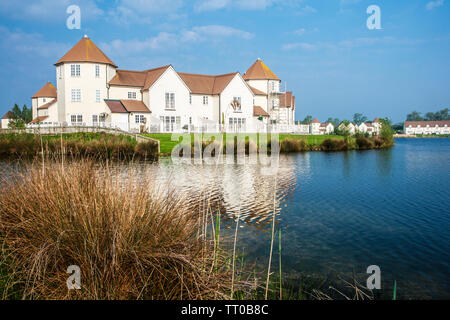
75	145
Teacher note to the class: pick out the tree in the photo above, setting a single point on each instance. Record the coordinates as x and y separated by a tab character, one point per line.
307	120
386	131
334	121
359	118
414	116
27	114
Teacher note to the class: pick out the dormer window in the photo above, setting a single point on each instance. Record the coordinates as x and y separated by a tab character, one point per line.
75	70
132	95
97	71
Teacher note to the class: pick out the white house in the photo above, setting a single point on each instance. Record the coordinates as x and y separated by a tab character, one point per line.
315	127
367	128
351	128
92	91
4	124
427	127
326	128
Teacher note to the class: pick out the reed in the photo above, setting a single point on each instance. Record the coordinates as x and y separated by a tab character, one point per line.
130	239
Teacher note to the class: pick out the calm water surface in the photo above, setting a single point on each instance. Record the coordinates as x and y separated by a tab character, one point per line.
339	212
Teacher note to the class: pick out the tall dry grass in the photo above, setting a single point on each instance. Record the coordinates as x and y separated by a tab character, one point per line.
130	240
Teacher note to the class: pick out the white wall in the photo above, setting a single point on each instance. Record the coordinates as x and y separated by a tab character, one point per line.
121	93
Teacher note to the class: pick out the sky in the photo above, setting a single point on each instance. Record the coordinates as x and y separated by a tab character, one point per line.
322	50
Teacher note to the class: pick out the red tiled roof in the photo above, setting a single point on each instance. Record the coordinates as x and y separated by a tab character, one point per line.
47	105
315	121
324	125
8	115
38	119
86	51
207	84
423	124
259	112
116	106
47	91
258	92
259	71
286	100
135	106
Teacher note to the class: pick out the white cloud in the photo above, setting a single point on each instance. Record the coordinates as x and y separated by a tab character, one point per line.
214	32
300	32
301	45
47	11
434	4
211	5
165	40
306	10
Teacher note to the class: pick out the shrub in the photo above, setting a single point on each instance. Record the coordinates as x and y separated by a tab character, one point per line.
364	143
130	240
290	145
334	145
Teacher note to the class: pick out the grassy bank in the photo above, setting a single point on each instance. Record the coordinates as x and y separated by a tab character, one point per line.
295	143
130	240
93	145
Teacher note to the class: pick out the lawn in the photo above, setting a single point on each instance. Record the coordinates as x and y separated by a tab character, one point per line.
167	144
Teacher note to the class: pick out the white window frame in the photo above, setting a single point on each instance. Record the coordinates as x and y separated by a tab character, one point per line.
238	99
77	117
75	70
170	100
190	99
98	95
95	118
97	71
76	95
139	118
132	95
205	100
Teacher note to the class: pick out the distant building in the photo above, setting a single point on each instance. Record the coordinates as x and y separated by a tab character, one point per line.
367	128
326	128
315	127
6	119
351	128
427	127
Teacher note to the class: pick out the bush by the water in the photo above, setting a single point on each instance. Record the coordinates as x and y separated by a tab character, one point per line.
364	143
334	145
97	145
289	145
131	241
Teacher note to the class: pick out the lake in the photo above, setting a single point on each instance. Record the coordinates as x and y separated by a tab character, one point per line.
342	212
339	212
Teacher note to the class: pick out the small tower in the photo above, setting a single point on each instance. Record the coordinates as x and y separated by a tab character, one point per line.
45	95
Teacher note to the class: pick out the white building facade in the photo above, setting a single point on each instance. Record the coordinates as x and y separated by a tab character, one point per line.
92	91
427	127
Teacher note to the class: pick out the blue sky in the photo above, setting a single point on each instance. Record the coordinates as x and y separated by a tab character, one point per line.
321	49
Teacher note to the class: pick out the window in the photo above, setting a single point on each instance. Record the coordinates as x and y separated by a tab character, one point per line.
76	118
97	71
132	95
190	99
76	95
95	119
75	70
190	120
97	95
44	100
205	100
60	72
170	101
139	118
